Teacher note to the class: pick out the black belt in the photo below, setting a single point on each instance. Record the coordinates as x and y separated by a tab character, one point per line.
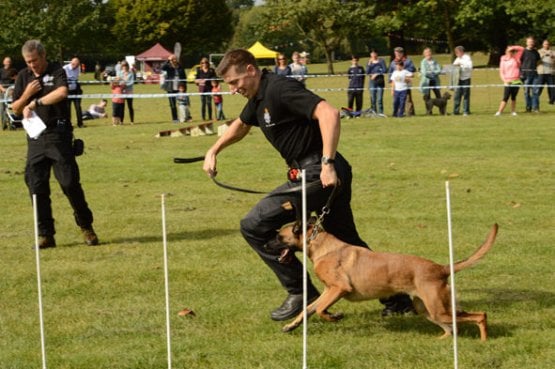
308	160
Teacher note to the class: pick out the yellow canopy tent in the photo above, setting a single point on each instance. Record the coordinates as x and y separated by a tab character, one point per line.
262	52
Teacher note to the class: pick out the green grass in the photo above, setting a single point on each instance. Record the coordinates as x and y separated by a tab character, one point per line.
104	306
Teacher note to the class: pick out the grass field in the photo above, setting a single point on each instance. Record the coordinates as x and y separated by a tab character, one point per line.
104	306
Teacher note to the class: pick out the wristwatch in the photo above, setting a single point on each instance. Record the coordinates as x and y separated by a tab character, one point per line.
327	160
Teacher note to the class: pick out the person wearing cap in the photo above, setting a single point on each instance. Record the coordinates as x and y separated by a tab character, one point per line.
408	65
462	90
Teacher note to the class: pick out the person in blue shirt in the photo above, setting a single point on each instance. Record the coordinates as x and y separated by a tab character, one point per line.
376	69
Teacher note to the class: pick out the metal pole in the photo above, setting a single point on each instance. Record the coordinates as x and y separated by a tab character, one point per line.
166	281
452	270
39	285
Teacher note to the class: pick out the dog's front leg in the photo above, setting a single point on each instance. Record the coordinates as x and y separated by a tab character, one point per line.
310	309
320	306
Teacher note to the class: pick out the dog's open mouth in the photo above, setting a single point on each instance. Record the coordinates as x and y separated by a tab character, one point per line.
285	256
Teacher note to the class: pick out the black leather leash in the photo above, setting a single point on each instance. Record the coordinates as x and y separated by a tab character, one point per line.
309	186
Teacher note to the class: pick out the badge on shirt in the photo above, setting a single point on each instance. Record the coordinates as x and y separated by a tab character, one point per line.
267	118
48	80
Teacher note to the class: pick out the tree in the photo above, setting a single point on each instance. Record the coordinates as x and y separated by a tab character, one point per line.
62	26
326	23
200	26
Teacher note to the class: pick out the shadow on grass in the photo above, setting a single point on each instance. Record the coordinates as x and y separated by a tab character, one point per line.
507	297
203	234
366	322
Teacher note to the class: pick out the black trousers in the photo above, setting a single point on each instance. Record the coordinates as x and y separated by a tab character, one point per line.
354	99
54	150
129	102
261	224
77	104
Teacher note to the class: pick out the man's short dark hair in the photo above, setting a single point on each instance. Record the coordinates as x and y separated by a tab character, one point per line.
32	45
239	58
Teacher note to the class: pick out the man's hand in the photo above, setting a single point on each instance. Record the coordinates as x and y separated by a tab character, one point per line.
32	88
210	164
328	176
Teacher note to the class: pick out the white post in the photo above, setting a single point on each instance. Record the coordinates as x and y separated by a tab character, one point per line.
452	270
39	285
305	276
166	281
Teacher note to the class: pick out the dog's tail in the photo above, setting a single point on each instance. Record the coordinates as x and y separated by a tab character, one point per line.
478	254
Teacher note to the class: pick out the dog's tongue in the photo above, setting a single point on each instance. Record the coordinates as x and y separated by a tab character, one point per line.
285	256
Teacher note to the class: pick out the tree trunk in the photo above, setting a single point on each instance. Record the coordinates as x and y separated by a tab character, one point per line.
329	59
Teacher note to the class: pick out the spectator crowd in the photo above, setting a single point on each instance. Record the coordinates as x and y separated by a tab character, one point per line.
525	68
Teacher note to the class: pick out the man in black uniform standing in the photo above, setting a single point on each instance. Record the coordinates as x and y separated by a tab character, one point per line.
304	128
42	88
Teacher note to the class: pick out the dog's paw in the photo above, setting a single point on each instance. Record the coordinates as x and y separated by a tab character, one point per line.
337	316
289	327
331	317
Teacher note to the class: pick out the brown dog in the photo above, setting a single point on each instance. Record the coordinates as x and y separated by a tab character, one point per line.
357	274
440	102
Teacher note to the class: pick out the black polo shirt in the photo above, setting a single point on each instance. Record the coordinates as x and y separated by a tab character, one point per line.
52	78
283	109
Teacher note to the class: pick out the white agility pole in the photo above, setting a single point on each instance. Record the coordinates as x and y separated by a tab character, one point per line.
166	281
452	270
39	285
305	276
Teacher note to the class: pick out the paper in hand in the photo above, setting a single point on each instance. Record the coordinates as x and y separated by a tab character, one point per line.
34	125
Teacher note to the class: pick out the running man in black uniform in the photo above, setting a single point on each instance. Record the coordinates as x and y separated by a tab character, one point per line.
304	129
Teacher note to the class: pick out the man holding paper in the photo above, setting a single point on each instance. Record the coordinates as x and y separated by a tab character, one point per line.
40	94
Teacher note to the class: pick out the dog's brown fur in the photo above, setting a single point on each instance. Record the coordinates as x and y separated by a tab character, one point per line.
357	274
440	102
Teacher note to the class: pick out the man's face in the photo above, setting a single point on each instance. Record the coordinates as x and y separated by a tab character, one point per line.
75	63
530	43
245	83
35	62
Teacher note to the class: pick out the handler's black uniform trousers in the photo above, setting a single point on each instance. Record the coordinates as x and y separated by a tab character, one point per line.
262	223
54	149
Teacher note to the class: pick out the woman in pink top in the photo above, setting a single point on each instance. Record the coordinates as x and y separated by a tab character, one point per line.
509	70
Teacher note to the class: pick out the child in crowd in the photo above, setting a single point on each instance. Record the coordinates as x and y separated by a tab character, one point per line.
118	103
183	104
356	75
96	110
400	79
218	100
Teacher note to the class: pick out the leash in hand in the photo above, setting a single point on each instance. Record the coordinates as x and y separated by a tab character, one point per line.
296	189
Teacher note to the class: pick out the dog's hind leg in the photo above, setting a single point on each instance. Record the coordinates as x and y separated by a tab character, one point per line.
479	318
